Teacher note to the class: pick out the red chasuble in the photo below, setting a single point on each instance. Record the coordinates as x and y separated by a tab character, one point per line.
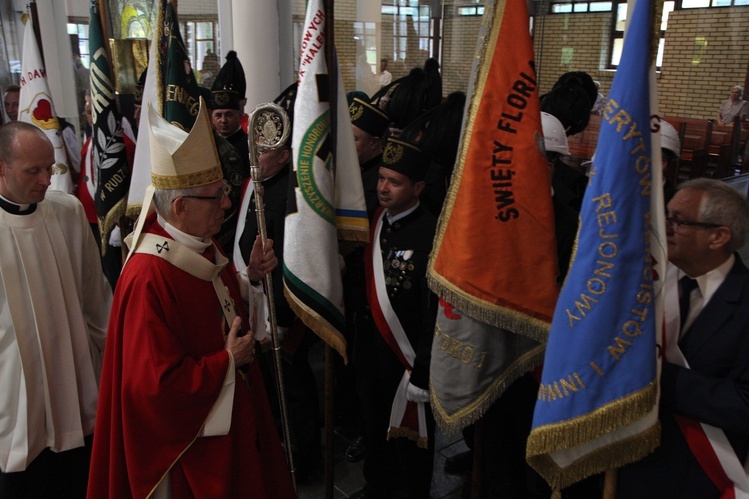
164	367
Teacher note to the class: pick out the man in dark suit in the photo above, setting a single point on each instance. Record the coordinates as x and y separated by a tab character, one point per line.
226	101
704	409
394	334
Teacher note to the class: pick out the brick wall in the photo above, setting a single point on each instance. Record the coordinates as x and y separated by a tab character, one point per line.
459	37
706	53
572	42
198	8
706	50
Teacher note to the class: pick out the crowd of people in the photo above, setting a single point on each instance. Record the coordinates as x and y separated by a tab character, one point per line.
157	381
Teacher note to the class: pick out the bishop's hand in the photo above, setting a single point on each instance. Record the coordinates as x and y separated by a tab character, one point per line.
262	260
241	347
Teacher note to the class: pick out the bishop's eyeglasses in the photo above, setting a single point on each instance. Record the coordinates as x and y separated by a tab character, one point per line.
217	198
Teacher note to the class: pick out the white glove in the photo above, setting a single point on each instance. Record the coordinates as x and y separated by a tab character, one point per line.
115	237
416	394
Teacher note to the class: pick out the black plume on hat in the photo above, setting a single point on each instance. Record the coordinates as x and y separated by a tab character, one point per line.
230	85
571	100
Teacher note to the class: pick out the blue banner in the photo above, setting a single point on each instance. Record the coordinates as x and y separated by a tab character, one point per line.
600	366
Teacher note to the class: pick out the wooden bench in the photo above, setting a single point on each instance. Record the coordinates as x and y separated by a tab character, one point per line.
707	149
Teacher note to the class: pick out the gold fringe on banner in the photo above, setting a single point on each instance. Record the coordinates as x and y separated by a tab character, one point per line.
610	457
451	424
353	234
320	326
489	313
584	429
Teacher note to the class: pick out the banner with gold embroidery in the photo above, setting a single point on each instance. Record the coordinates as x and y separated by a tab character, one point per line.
181	93
597	405
110	166
494	259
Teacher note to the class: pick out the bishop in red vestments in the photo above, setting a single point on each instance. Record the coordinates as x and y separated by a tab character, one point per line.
177	417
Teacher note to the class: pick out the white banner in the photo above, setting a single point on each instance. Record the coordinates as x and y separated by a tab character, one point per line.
35	106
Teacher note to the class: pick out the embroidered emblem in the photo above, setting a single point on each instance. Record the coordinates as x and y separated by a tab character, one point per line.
162	247
392	154
221	98
356	110
227	305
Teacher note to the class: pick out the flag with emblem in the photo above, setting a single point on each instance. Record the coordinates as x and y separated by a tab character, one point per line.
109	156
597	405
494	261
170	87
35	106
328	198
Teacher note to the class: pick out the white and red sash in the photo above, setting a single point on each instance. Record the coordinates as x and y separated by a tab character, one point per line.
407	418
247	190
709	444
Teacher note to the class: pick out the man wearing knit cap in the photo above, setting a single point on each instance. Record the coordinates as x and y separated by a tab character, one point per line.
183	409
393	349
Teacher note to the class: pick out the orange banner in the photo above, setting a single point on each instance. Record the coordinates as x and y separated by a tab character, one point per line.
495	252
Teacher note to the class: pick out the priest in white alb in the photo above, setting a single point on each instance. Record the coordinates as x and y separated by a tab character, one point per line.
54	308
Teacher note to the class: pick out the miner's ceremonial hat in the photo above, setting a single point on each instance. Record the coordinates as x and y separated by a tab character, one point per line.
230	85
368	117
404	157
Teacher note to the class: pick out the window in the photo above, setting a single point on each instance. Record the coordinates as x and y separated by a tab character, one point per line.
470	10
409	17
698	4
200	41
365	34
576	6
80	31
619	22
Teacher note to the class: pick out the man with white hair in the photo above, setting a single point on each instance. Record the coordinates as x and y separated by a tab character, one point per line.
183	408
704	381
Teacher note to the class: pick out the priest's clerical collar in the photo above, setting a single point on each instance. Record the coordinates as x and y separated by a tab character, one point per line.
194	243
402	214
15	208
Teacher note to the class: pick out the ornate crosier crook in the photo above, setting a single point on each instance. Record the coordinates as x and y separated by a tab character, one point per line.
269	129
